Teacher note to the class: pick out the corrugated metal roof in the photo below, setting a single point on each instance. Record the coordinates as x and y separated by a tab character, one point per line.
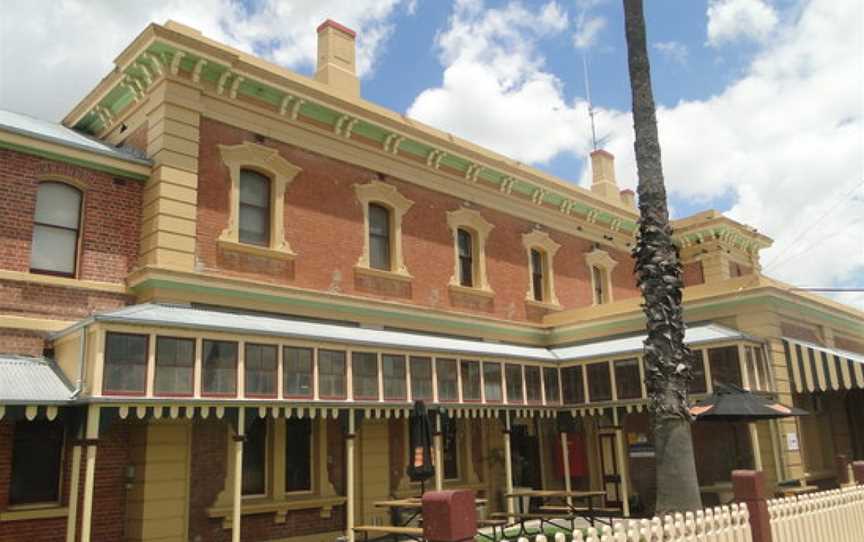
698	334
32	380
187	317
57	133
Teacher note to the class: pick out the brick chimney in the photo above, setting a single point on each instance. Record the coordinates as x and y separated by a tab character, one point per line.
336	58
603	176
628	198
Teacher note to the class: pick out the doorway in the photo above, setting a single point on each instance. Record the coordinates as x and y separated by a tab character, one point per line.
610	469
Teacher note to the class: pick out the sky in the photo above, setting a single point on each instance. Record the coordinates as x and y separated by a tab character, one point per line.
760	102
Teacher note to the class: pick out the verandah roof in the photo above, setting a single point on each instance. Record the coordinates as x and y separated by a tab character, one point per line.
27	380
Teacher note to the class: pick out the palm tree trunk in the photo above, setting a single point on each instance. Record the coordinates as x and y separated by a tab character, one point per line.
658	271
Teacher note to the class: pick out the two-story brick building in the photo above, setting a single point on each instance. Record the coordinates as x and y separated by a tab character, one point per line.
224	284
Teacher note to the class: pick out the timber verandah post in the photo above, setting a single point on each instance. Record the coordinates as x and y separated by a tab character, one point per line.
91	434
508	468
236	503
350	436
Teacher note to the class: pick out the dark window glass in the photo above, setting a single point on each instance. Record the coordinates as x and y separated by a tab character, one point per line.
514	383
331	374
450	451
470	380
254	208
364	372
537	284
219	362
37	452
697	384
448	389
574	390
175	366
297	371
255	458
724	365
298	454
750	363
551	385
492	381
600	295
393	371
628	383
762	370
532	384
56	225
260	363
466	257
599	384
379	237
125	363
421	378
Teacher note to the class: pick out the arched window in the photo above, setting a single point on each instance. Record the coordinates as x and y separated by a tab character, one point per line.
254	208
379	237
538	281
56	226
466	257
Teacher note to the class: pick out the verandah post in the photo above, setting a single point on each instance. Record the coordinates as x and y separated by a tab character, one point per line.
349	452
75	475
438	443
238	475
90	435
508	467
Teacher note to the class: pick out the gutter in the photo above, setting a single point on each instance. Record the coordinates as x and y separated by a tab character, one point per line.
82	354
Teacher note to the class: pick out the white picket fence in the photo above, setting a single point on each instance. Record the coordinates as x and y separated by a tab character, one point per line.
719	524
836	515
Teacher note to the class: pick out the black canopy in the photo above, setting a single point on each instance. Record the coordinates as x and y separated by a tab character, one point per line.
731	403
421	466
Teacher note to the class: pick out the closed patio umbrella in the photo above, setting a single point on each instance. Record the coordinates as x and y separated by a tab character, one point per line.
421	466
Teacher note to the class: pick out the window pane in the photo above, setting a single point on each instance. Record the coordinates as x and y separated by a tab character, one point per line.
450	451
514	383
219	367
254	225
254	188
298	455
466	259
393	368
421	378
628	383
297	371
724	365
762	368
37	451
260	366
53	249
58	204
532	384
697	385
492	381
599	286
470	381
599	383
364	372
379	237
445	370
125	363
331	374
537	274
750	363
255	458
574	390
175	361
551	385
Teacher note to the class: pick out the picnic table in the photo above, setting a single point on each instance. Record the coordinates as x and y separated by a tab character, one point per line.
567	510
402	525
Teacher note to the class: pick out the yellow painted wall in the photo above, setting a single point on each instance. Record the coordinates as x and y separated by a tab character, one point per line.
373	476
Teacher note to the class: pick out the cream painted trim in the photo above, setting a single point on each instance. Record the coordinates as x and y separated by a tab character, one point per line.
41	512
386	195
255	250
465	290
541	241
63	282
372	272
34	324
281	172
480	228
603	261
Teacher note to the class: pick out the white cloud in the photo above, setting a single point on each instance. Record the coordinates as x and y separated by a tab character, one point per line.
588	29
673	50
784	140
729	20
52	53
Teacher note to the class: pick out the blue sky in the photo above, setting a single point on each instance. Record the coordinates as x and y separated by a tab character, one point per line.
761	102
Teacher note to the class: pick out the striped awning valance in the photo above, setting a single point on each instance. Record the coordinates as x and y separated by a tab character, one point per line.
816	368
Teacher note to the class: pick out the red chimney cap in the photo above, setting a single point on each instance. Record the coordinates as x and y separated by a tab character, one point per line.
333	24
627	191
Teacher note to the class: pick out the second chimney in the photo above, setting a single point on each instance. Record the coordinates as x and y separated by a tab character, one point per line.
336	58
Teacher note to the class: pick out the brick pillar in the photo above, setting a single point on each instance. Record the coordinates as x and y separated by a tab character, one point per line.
858	471
449	516
749	488
841	465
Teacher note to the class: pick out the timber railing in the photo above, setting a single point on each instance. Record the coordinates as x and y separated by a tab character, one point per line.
836	515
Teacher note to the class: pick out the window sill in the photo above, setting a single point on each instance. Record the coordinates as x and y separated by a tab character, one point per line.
284	254
62	282
24	513
466	290
547	305
380	273
280	507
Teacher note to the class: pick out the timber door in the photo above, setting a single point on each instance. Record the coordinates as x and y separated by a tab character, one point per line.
610	469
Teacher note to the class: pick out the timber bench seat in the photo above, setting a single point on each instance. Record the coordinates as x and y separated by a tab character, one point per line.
596	510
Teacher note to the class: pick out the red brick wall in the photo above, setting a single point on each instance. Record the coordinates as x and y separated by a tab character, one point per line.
109	500
112	216
15	341
209	448
693	274
324	227
55	302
